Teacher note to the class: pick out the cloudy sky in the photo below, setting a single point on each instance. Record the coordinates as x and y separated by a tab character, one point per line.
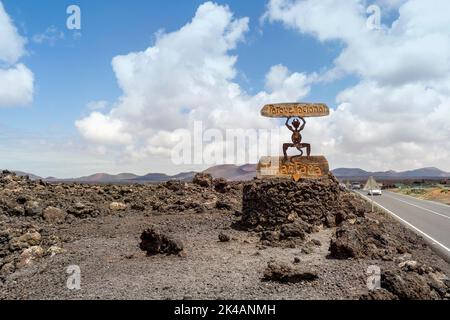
121	92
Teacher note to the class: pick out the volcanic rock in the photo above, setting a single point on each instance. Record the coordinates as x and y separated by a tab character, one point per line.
224	237
409	265
21	199
221	185
20	196
154	242
30	255
174	185
223	205
54	250
117	206
33	208
351	207
204	180
293	230
308	248
275	202
24	241
84	210
270	236
407	285
285	211
272	203
365	238
54	215
284	273
7	268
379	294
17	211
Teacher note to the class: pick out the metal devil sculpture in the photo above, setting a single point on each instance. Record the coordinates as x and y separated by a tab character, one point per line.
298	166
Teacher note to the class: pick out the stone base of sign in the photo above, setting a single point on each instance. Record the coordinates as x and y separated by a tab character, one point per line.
274	203
294	168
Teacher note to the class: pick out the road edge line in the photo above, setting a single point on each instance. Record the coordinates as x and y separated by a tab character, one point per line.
435	245
423	208
431	201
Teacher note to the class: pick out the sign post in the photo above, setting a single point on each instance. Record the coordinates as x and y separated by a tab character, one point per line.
371	196
371	185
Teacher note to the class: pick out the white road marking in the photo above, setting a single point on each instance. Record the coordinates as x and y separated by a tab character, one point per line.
409	224
414	205
417	199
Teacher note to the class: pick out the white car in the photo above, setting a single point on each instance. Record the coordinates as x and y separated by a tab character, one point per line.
356	186
375	192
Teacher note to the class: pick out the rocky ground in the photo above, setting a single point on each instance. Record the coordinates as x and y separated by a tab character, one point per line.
197	241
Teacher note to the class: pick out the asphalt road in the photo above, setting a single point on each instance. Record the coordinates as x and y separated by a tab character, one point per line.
429	219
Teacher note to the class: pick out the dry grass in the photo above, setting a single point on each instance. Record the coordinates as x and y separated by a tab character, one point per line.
438	194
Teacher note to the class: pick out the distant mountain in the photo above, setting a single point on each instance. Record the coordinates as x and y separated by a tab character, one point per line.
426	172
184	176
152	177
232	172
96	178
350	172
126	178
423	173
30	175
161	177
243	173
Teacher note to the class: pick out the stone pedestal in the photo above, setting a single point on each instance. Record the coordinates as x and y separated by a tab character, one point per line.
285	211
293	168
272	203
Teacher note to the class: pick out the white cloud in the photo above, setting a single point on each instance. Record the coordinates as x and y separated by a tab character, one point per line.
97	105
16	86
397	116
17	81
12	45
283	85
187	75
51	35
326	19
104	130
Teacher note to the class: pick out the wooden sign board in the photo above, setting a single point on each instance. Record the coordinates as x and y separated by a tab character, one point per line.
304	110
295	168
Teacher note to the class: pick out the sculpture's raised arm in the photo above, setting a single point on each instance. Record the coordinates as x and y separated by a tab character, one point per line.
288	125
304	123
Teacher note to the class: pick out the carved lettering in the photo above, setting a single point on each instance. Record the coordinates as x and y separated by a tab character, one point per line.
305	167
295	110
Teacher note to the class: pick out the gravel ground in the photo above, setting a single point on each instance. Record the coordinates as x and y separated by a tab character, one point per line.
106	248
113	266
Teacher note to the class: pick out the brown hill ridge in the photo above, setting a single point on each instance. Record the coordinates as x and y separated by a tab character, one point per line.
245	172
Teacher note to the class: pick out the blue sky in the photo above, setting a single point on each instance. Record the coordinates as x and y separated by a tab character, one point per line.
75	68
72	72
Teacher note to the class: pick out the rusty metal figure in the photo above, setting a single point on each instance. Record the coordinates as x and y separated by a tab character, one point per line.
296	138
